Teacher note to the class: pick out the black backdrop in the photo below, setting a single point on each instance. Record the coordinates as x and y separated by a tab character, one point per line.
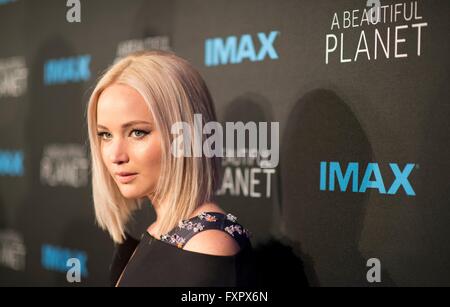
339	101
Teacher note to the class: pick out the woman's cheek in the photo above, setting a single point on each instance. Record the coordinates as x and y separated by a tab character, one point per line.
104	156
147	159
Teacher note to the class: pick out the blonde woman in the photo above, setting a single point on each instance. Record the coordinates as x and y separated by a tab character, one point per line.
193	241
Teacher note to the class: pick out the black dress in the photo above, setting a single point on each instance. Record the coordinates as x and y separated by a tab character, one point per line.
164	262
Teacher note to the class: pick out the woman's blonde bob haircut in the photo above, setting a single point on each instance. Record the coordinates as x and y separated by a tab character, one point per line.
174	91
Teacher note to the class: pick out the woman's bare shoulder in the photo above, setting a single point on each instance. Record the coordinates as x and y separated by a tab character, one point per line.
213	242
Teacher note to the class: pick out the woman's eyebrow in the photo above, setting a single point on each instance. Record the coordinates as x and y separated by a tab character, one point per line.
127	124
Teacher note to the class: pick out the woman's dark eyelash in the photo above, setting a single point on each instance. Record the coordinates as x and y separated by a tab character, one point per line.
101	134
141	131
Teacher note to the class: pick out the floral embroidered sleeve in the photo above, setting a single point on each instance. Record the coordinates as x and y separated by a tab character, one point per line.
207	220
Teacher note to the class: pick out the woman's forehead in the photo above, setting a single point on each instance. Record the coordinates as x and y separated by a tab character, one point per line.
121	103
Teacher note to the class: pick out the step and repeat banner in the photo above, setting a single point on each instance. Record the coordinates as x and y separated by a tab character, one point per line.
360	89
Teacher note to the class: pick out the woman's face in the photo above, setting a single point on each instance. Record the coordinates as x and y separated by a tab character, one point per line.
128	147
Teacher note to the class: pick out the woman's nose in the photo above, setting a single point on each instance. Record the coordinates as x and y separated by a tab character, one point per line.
119	153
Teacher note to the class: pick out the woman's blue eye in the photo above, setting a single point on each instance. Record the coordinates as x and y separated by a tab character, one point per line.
101	134
141	133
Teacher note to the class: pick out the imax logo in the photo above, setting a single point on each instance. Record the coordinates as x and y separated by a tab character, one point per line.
66	70
11	163
334	171
233	50
6	1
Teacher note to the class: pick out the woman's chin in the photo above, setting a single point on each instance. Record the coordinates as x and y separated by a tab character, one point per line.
130	192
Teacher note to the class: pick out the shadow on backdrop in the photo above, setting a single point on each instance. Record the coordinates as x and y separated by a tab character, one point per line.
327	224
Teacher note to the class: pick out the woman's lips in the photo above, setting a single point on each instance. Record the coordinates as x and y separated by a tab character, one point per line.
126	178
